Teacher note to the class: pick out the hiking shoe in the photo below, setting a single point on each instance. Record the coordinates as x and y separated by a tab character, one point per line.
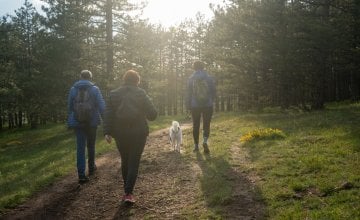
83	179
206	148
196	149
129	199
92	171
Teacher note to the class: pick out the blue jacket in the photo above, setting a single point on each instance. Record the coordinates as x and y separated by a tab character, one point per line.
98	102
190	99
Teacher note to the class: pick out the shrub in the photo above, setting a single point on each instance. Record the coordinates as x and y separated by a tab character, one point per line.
261	134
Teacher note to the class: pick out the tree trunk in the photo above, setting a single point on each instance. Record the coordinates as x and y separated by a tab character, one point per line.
34	120
217	108
11	123
228	103
109	40
222	103
20	119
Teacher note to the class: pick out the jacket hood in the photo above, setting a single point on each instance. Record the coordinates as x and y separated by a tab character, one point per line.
200	74
83	83
129	85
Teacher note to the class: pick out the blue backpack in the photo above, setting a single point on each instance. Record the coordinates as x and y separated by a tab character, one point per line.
201	91
83	105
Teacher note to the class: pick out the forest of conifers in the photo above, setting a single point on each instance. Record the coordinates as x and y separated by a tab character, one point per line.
261	53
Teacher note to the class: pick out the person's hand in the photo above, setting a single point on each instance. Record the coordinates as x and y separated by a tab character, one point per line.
108	138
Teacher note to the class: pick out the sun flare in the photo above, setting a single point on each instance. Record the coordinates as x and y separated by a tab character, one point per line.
168	13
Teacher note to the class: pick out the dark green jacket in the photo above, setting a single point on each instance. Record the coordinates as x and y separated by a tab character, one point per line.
112	125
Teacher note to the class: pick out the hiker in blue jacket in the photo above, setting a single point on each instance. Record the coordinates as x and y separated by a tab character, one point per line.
85	107
201	94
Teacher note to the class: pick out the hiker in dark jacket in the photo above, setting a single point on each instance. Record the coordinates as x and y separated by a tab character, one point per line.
85	130
199	107
129	132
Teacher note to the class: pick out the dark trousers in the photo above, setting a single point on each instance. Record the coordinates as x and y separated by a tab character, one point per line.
85	138
131	148
206	114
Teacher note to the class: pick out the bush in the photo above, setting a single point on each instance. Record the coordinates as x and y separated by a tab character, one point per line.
261	134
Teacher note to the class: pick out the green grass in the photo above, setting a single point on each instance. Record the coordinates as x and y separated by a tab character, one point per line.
300	173
301	159
321	152
32	159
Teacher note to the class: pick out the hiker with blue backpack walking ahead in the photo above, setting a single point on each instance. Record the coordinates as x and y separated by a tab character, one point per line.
85	107
201	94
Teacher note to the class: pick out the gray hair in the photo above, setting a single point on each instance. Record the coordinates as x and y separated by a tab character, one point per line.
85	74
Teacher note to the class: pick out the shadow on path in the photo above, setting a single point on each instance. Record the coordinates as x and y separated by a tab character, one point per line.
229	190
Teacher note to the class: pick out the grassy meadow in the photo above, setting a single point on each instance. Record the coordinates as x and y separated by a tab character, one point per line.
306	164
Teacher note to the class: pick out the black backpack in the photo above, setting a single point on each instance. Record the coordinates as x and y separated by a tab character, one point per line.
83	105
129	109
201	91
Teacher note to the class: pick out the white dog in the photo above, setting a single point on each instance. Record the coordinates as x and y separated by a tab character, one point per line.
175	134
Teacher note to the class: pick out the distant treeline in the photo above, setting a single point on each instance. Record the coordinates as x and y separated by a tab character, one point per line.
265	53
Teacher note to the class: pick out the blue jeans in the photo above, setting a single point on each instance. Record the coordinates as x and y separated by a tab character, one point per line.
85	136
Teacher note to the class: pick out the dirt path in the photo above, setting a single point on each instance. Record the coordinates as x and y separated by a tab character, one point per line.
167	188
